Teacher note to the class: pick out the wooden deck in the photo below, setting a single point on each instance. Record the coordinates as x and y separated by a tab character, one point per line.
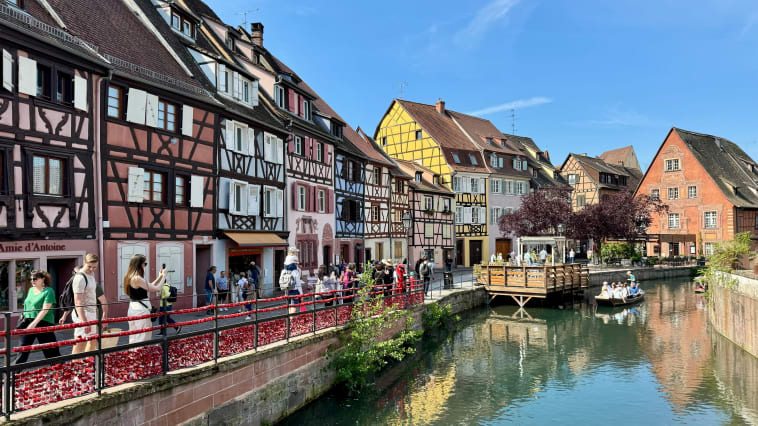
522	282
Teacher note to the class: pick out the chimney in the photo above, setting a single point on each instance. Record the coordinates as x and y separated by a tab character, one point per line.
440	106
256	33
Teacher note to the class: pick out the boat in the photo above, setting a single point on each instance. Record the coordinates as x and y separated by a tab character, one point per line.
699	289
611	301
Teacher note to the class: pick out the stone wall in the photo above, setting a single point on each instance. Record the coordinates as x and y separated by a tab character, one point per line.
251	388
642	274
733	312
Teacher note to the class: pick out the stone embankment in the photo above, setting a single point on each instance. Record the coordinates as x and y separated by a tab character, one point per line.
733	312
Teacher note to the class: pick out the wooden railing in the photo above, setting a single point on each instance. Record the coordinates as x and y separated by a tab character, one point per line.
544	279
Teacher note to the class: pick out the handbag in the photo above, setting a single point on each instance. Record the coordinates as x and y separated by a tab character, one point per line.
24	323
153	310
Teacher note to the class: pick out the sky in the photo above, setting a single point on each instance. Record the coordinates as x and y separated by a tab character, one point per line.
580	76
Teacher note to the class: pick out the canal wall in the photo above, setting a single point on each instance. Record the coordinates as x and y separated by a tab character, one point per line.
255	387
733	312
642	274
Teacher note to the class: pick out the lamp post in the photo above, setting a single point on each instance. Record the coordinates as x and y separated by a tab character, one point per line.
407	223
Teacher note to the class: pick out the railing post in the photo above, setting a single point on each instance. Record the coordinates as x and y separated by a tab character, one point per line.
99	360
164	343
215	327
288	323
255	328
313	299
7	375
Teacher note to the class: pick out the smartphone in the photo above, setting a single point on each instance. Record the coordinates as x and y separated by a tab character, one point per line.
164	266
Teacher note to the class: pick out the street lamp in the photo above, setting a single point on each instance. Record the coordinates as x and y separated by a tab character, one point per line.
407	222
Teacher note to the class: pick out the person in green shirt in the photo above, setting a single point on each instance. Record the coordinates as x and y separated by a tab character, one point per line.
38	313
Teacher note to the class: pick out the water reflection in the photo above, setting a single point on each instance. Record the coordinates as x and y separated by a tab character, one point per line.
656	362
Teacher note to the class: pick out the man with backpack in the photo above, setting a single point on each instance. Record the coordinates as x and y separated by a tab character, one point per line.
290	281
84	289
426	273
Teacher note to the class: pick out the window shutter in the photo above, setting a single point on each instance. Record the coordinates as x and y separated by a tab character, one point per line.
279	202
254	93
80	93
151	111
27	76
7	70
251	141
516	163
136	184
267	146
279	154
467	215
236	85
308	198
294	196
222	77
197	186
229	137
135	110
329	201
187	119
482	188
253	200
232	205
483	215
524	165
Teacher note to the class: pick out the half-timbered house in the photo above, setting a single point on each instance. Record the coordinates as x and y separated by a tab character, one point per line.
48	137
592	179
431	213
251	222
156	151
412	131
543	173
349	181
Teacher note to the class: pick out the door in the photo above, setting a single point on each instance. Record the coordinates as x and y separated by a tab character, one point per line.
503	247
345	253
202	263
368	254
459	252
278	266
358	259
61	270
327	259
475	252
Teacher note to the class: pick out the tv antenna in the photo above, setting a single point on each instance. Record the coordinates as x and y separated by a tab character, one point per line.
513	121
244	16
403	84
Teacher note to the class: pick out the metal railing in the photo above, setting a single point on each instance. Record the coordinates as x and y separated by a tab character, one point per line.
43	381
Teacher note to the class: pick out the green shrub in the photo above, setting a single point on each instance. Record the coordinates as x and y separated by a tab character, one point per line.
436	316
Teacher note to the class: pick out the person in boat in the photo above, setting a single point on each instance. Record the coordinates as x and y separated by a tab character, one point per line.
630	277
634	291
605	291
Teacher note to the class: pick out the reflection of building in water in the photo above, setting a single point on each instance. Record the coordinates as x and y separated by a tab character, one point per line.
736	373
504	329
425	403
675	342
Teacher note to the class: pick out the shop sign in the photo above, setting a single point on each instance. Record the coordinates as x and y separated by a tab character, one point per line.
31	247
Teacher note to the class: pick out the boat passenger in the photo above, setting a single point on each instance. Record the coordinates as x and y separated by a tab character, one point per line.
630	277
605	291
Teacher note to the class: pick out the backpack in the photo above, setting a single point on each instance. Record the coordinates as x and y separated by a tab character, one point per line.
424	269
172	292
66	299
286	280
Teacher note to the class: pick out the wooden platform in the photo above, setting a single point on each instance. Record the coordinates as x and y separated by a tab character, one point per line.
523	283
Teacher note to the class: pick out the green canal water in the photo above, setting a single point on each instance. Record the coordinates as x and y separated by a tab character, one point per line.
656	363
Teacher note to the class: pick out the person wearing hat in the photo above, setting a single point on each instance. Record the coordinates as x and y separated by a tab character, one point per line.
292	263
388	278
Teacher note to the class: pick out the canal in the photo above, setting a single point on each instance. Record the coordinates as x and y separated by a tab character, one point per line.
655	363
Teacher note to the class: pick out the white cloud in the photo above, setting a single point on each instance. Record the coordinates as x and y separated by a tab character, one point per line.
518	104
615	117
751	20
485	17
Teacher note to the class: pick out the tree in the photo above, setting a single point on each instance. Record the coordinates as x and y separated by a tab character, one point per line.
540	213
620	216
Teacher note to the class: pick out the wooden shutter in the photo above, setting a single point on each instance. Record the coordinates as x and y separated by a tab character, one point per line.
236	85
279	153
254	93
27	76
253	200
136	184
308	205
197	186
267	146
232	205
222	78
516	163
467	216
291	100
279	203
151	110
7	70
329	201
80	93
482	188
136	104
294	196
187	119
229	137
251	141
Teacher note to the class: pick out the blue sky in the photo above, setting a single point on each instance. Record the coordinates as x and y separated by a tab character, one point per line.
584	76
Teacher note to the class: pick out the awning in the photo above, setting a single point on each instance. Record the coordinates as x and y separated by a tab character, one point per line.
249	239
677	238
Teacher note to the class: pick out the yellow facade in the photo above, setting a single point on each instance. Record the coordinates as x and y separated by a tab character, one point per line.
400	130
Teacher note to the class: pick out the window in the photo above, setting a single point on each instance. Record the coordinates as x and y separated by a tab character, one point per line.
115	102
445	204
447	231
459	215
398	249
239	138
166	115
708	249
494	214
710	220
321	200
428	203
655	194
301	198
457	183
672	165
419	176
272	207
756	222
356	176
384	141
456	159
418	134
280	97
474	185
299	148
44	83
65	88
673	193
379	250
176	21
154	188
336	130
245	94
493	160
377	176
47	175
181	24
475	215
673	220
399	186
436	179
580	201
472	157
692	192
572	179
375	213
495	185
181	186
319	152
428	230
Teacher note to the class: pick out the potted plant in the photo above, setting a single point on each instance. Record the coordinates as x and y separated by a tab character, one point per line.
429	212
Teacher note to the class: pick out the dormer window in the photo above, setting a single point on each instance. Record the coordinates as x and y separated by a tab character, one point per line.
436	179
419	175
472	157
456	158
493	160
229	42
489	141
306	109
336	130
280	96
181	23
